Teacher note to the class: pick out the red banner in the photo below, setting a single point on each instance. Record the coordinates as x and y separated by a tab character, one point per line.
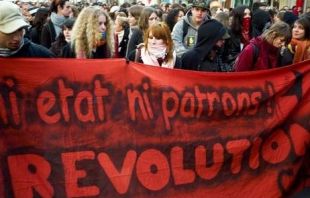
94	128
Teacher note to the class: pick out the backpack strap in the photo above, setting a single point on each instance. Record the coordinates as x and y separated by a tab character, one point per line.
137	55
185	29
255	53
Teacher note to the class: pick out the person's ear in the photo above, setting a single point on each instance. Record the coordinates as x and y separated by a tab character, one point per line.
59	7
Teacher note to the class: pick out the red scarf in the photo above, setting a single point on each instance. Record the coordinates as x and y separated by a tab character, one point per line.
246	37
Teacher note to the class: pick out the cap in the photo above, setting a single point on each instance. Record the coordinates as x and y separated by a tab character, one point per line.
200	4
11	18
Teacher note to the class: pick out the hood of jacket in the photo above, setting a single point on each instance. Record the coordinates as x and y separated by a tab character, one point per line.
259	19
209	32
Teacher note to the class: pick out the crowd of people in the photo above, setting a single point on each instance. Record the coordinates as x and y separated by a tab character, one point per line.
202	36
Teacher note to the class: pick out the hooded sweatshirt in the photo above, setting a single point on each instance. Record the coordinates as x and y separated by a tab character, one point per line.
260	20
197	58
268	56
183	44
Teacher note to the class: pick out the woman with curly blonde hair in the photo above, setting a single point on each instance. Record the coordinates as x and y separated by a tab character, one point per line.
92	35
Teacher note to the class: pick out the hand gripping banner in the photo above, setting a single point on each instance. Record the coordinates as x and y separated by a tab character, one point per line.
108	128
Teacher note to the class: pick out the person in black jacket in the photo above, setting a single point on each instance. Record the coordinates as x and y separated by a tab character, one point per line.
12	31
38	22
60	11
147	18
241	31
206	54
121	36
63	39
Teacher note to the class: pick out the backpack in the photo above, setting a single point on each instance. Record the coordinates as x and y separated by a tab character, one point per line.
255	55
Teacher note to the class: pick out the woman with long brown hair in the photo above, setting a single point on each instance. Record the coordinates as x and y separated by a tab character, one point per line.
147	18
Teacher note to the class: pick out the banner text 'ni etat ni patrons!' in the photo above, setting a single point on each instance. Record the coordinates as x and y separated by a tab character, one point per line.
107	128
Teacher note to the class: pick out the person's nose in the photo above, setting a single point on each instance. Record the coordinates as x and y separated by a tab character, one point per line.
103	27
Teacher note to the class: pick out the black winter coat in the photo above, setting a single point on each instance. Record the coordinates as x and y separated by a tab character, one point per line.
198	58
31	49
48	34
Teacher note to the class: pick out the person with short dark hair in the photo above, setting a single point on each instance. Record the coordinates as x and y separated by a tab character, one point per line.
63	39
12	31
299	47
60	11
183	41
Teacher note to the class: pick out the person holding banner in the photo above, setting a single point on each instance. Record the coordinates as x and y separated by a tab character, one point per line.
12	31
92	35
157	49
263	52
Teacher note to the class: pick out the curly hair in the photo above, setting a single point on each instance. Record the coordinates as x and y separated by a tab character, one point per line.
85	31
